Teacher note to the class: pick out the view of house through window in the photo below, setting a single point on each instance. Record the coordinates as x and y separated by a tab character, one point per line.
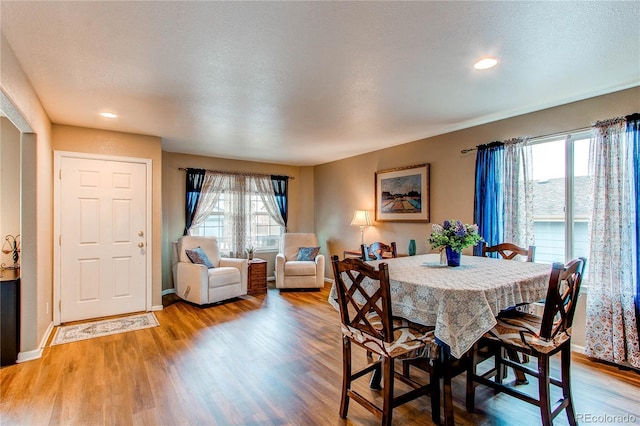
262	232
561	197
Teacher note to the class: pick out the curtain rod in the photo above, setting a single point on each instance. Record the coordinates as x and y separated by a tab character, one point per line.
584	129
231	172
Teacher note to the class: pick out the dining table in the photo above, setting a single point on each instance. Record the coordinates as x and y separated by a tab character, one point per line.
461	302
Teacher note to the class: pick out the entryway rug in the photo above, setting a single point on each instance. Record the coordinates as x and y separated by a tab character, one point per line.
89	330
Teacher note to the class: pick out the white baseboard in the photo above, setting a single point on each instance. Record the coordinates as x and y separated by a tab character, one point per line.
578	349
157	308
29	355
36	353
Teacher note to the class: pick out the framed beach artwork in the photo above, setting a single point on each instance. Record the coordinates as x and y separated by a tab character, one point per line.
402	194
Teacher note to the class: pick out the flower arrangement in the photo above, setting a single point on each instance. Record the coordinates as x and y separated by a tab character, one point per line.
455	235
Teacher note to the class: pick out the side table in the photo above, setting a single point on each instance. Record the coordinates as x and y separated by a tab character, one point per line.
257	277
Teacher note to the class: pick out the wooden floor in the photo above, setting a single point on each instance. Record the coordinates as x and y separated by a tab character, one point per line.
264	360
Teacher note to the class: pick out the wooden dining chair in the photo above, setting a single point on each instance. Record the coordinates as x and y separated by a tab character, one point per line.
509	251
379	251
364	300
539	337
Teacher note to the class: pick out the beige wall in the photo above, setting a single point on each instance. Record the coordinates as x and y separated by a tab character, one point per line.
103	142
347	185
9	184
31	119
301	202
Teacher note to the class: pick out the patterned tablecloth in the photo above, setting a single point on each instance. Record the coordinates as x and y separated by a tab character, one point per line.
461	302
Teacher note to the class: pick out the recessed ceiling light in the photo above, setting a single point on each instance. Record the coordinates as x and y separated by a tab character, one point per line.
109	115
485	63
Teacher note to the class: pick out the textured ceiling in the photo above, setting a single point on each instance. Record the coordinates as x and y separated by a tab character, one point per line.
305	83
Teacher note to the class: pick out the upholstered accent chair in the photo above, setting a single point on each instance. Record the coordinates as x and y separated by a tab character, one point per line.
300	265
209	278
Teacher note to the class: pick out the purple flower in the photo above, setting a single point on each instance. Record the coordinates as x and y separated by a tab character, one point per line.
446	224
460	229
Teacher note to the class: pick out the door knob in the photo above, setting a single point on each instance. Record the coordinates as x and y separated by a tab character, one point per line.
140	233
140	244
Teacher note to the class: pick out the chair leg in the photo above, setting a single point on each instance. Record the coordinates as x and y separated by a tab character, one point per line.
543	390
504	354
346	377
521	379
387	391
471	388
565	366
406	369
374	382
499	367
447	373
434	381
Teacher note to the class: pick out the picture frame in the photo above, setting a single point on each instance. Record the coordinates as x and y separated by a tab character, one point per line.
402	194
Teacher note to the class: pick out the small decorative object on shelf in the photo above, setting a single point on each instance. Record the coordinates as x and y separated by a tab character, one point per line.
12	245
454	236
412	247
250	251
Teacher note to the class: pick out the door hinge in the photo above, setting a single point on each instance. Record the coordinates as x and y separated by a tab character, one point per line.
60	174
60	305
60	240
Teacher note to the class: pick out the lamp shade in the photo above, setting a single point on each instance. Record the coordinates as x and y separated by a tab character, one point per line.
361	218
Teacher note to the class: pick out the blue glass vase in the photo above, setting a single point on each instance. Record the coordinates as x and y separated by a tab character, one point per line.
453	257
412	247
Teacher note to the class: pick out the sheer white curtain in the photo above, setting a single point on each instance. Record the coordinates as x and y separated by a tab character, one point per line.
237	208
518	193
212	187
264	188
612	333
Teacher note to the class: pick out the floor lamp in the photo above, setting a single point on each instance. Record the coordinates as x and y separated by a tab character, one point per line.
361	218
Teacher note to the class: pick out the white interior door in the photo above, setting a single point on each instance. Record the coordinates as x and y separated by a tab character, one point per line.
102	217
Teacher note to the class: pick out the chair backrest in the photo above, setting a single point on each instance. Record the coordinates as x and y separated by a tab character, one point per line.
509	251
378	251
358	297
292	242
562	297
208	244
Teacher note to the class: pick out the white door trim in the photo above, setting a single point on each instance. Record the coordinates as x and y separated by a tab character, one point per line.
57	157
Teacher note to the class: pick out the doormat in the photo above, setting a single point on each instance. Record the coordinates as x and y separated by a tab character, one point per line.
89	330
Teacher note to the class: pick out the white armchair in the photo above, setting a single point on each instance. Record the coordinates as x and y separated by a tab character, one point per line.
294	273
201	285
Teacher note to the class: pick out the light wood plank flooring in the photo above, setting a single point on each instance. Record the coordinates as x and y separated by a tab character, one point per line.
272	359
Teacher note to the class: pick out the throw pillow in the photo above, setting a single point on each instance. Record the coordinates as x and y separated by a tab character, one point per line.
308	253
197	255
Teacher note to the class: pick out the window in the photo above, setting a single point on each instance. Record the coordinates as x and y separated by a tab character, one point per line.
265	232
561	197
262	231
